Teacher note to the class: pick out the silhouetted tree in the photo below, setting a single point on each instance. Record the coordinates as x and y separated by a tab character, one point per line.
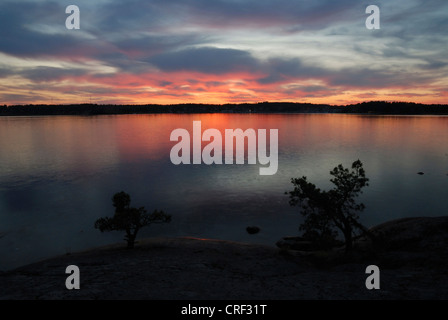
129	219
337	208
121	201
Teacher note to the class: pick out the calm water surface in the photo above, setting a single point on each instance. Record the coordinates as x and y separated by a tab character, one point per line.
58	174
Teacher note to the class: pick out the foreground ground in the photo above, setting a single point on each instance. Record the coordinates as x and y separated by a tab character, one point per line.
412	267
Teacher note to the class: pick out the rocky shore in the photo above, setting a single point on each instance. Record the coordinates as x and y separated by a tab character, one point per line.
412	261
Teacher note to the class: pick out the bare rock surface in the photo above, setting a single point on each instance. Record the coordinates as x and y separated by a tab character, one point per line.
412	267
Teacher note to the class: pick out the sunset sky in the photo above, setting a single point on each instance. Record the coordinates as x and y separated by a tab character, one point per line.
223	51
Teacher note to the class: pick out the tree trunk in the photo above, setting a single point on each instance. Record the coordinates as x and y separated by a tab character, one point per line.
348	237
130	239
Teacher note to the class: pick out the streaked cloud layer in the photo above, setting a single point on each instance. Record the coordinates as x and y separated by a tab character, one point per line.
217	51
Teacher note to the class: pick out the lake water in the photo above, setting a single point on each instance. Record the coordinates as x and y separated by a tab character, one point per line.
58	174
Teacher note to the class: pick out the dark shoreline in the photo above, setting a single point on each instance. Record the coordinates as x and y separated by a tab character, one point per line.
413	267
365	108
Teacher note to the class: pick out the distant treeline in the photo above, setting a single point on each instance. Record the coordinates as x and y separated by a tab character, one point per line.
374	107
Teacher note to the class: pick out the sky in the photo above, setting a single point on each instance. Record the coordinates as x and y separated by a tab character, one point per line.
223	51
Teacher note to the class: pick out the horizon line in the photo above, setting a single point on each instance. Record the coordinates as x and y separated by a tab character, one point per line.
230	103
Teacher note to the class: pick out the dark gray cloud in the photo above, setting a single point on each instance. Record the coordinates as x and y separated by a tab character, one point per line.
149	45
17	98
43	74
20	38
284	70
206	60
281	69
130	16
368	78
50	74
6	72
262	13
162	14
434	64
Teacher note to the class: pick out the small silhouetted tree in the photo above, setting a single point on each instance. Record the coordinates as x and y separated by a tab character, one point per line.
129	219
325	211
